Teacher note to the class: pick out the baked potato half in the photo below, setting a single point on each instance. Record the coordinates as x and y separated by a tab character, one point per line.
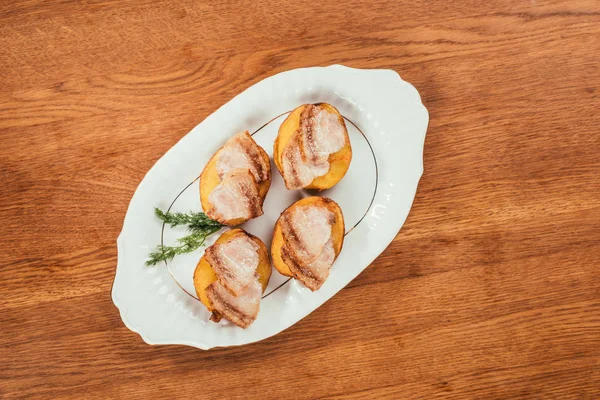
209	180
339	161
279	240
204	275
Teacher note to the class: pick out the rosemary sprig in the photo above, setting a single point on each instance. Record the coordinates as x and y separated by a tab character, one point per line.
199	225
194	220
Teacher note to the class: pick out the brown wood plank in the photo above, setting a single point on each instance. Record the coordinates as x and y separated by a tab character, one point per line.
491	289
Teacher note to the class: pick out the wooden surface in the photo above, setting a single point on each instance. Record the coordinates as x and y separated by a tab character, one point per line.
491	289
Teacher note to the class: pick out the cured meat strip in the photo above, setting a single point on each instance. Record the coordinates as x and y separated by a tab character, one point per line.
241	310
234	263
235	197
242	152
314	274
297	172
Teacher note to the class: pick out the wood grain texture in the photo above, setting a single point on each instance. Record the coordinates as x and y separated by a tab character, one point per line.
490	291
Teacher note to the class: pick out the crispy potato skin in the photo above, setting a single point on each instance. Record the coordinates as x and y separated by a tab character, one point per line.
204	274
339	161
337	231
209	179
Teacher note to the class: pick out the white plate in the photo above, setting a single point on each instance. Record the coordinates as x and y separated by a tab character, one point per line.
386	122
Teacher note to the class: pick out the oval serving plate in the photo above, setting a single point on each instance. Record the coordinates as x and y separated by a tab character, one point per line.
387	124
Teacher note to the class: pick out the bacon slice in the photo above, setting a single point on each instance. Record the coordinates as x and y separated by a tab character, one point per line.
305	156
234	263
297	172
235	197
237	292
314	274
241	310
242	152
323	133
308	249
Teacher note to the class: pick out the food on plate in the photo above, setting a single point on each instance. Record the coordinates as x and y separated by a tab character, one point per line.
231	277
307	239
235	182
312	149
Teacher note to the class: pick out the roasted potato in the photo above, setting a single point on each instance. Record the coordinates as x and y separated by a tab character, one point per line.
337	231
204	274
209	179
339	161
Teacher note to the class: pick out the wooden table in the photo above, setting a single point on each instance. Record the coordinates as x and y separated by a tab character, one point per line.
491	289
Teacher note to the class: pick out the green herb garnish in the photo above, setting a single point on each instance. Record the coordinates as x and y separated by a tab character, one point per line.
199	225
